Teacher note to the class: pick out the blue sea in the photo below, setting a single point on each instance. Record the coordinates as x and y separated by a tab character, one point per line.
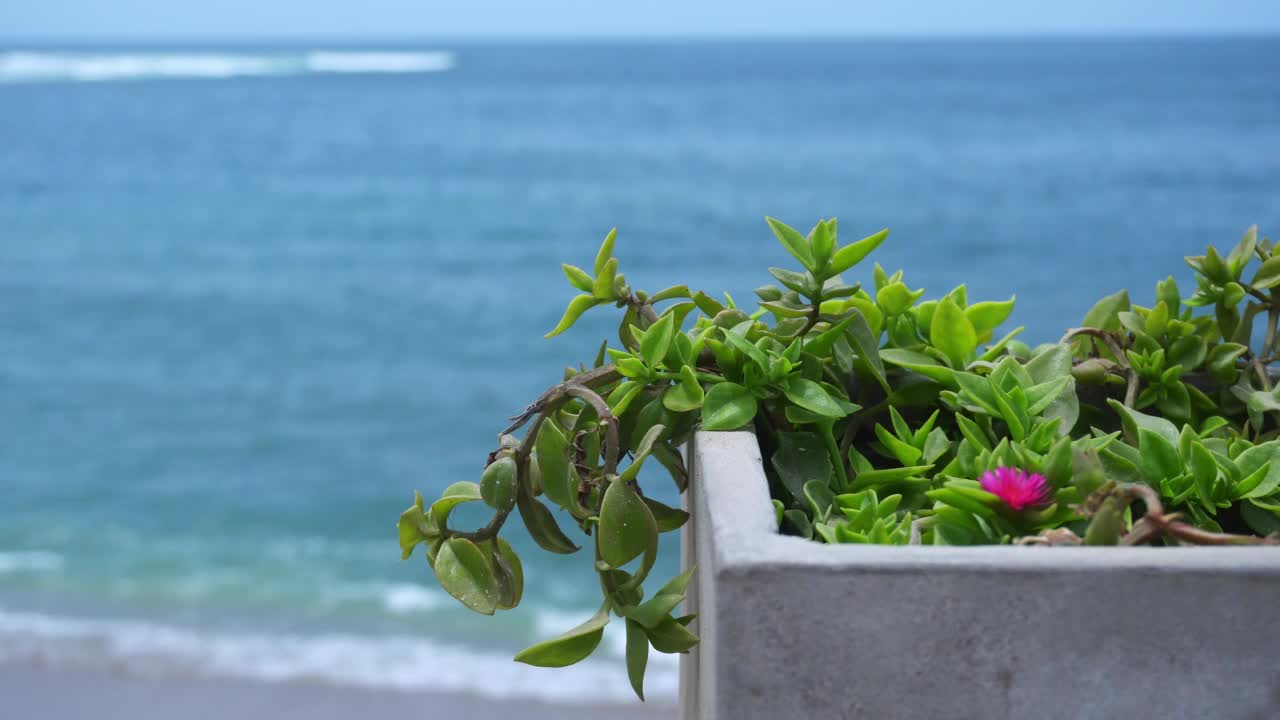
251	298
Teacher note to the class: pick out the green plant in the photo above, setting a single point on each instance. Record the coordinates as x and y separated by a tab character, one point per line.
884	419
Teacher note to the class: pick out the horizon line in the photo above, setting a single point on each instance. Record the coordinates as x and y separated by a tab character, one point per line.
390	38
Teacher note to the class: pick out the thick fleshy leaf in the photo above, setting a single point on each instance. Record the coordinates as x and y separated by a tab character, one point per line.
559	482
810	396
727	406
987	316
793	241
666	517
509	572
922	364
542	525
821	243
637	656
656	341
953	333
414	527
498	484
577	306
627	527
686	395
850	255
800	458
1133	419
578	277
1107	524
464	572
1160	459
569	648
606	250
453	496
671	636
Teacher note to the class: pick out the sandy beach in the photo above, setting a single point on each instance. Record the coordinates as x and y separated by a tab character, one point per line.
29	692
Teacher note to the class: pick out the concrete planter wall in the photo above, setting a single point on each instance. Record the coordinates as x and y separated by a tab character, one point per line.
794	629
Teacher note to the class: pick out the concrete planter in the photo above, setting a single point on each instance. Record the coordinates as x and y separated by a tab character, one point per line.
794	629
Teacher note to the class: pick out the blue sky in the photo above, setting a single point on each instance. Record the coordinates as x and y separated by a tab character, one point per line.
161	19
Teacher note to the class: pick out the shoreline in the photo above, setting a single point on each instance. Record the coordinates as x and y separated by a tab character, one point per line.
51	692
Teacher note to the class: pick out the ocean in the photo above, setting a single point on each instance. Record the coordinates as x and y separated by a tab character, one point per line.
252	298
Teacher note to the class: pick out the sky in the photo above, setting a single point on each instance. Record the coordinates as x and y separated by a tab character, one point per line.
172	19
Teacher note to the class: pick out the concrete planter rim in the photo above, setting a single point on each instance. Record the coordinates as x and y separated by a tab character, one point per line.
748	539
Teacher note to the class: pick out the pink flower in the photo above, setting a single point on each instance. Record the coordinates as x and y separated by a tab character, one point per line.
1016	488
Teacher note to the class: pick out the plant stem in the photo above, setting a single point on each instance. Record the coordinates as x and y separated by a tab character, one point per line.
828	437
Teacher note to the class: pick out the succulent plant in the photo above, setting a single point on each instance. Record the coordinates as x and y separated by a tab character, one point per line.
884	418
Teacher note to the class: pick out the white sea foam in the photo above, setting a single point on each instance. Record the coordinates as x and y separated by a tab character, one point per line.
372	661
29	561
29	66
405	598
379	62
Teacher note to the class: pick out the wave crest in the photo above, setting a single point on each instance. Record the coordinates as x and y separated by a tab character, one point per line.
398	662
23	66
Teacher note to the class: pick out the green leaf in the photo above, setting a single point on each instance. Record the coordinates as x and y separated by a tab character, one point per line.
657	340
822	242
952	333
744	346
578	277
727	406
821	345
675	291
1188	351
627	528
1104	316
559	482
793	241
895	298
880	478
606	250
666	517
905	453
987	316
670	636
1160	459
414	528
922	364
542	525
1107	524
1261	520
1133	420
1222	362
622	396
603	288
1268	275
463	571
800	282
498	484
453	496
800	458
509	573
569	648
686	395
637	656
850	255
1242	253
810	396
1205	472
866	343
577	306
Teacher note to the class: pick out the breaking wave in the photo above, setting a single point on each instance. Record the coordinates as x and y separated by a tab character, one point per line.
65	66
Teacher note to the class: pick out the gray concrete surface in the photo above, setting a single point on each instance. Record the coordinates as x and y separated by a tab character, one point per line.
794	629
